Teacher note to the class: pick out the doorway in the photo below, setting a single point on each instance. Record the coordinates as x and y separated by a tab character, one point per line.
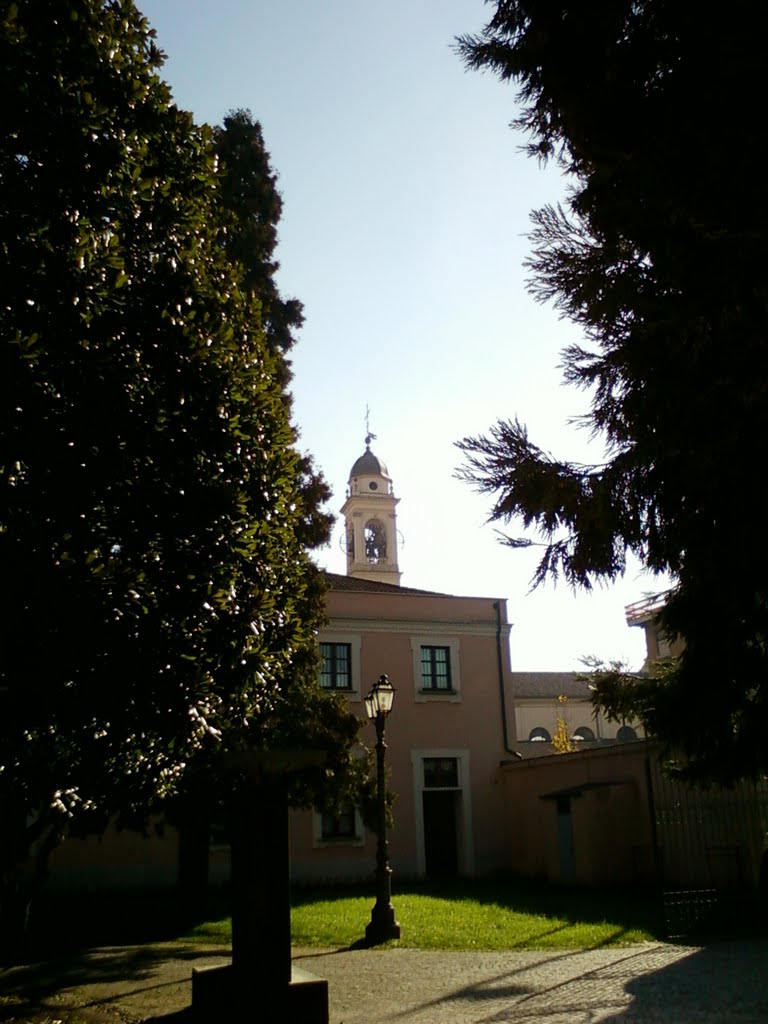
565	840
441	855
443	805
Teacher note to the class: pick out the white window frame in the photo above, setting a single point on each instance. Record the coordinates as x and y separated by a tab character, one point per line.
423	696
355	643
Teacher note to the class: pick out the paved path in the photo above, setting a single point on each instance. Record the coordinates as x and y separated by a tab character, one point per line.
653	983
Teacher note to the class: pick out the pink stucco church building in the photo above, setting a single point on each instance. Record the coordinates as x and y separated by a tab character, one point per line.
452	726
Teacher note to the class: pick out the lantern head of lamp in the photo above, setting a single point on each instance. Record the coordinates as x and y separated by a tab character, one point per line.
379	701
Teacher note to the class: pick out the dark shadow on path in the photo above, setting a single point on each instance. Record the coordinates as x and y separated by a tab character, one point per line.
133	969
185	1016
725	983
722	982
532	1000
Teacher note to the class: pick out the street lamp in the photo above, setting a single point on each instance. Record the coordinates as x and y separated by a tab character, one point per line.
383	925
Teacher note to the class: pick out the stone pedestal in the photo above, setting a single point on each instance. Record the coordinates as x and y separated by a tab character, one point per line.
223	993
260	984
383	925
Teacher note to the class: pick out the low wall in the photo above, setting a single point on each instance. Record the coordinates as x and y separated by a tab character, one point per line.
118	859
582	817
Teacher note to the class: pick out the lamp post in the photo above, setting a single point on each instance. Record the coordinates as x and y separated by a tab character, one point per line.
383	925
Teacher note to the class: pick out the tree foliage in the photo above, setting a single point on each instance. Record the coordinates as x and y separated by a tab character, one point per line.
161	606
562	740
648	108
251	207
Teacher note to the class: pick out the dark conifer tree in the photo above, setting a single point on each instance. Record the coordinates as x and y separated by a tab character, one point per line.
649	108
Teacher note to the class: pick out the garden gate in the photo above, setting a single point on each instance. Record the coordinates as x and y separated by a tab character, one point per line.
710	851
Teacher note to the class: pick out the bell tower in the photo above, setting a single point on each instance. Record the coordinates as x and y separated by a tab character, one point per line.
369	520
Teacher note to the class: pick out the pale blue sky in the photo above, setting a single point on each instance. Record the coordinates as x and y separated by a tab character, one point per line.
406	202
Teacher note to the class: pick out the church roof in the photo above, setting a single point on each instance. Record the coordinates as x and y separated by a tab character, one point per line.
353	583
369	465
548	684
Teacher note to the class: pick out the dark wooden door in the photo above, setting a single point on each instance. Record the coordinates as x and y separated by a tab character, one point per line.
440	852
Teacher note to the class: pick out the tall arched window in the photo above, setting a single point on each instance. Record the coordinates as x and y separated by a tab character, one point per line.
375	541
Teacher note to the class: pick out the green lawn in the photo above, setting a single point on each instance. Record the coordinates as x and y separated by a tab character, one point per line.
498	914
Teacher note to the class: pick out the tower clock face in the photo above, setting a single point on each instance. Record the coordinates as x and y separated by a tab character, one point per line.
375	541
373	486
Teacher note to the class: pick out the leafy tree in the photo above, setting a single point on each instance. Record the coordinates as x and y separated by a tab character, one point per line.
252	206
648	108
625	696
161	605
249	211
562	741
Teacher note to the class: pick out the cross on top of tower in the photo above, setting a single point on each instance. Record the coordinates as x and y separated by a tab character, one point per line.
368	435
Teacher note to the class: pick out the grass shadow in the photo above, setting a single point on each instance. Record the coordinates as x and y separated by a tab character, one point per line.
626	909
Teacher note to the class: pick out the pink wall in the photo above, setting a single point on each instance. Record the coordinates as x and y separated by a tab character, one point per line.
610	819
118	859
469	727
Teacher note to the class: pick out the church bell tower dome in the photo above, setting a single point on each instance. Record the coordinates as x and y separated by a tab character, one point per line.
368	464
370	520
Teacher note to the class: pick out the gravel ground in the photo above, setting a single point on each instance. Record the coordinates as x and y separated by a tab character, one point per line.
654	983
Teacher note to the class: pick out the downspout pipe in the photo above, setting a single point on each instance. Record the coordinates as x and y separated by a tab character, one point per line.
502	694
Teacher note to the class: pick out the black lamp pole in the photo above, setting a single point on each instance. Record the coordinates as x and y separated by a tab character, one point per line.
383	924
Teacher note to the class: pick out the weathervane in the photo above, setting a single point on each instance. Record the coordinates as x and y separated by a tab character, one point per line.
368	435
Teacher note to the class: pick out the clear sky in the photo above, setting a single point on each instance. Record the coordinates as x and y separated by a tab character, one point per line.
406	204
